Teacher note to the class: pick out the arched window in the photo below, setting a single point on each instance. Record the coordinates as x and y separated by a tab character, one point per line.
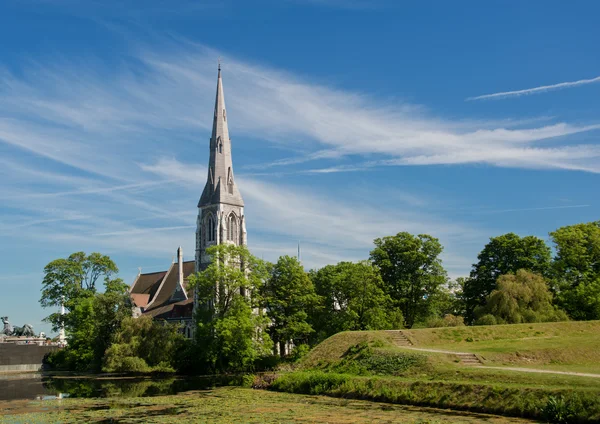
229	181
219	144
224	115
210	229
232	228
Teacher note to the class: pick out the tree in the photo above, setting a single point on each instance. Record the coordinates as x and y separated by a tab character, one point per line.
287	295
577	253
412	272
353	298
68	280
576	269
521	297
143	344
230	326
91	325
504	254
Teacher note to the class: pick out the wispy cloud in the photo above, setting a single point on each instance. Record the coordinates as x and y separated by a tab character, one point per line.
535	90
110	144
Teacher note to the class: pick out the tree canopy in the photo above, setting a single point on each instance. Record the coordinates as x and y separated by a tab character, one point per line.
353	298
504	254
289	296
229	335
518	298
412	271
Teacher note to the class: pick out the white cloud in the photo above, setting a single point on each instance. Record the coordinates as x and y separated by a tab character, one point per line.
535	90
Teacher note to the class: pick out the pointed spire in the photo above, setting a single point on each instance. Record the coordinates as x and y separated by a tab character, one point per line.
220	186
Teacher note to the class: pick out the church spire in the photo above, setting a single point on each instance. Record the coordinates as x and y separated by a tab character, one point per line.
220	185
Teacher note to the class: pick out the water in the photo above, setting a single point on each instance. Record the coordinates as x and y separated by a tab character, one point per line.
43	386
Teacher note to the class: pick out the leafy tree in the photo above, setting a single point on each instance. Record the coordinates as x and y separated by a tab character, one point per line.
230	327
577	269
520	297
68	280
577	252
143	344
287	295
412	272
504	254
91	324
353	299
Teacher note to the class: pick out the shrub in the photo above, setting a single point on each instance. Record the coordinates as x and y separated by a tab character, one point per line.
363	359
449	320
487	319
559	410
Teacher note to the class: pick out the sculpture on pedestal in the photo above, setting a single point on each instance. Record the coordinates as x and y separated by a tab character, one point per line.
9	330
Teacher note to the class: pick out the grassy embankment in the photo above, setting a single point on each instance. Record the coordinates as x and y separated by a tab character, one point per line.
367	365
229	405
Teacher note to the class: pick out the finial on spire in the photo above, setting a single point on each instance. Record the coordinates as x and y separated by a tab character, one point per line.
219	60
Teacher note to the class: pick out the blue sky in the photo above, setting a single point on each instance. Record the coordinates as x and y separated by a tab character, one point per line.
350	120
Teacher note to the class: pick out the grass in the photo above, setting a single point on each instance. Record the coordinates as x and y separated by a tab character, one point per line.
561	346
341	366
226	405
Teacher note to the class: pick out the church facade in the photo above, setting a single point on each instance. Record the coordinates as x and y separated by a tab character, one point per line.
166	295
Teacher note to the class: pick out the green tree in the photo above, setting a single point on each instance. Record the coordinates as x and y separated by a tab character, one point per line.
230	326
91	324
353	298
143	344
504	254
521	297
412	272
68	280
577	253
288	295
576	269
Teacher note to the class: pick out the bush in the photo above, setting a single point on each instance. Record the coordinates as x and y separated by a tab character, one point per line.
487	319
559	410
299	352
449	320
363	359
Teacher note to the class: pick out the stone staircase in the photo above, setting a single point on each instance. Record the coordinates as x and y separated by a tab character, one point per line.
398	338
469	359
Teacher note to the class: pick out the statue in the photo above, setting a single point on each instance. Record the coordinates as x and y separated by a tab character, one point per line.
9	330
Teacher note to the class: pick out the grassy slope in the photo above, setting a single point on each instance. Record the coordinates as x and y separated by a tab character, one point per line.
566	346
574	345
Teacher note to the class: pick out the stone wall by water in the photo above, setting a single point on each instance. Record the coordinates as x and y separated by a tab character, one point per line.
27	357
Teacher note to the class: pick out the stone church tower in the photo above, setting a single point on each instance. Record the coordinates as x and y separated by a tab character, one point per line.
221	208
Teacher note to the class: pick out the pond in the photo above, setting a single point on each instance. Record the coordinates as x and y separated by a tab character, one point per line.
45	386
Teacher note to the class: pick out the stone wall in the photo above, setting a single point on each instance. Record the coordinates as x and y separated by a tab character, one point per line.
16	357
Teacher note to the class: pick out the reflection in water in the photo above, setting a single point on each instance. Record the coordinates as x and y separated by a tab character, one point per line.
41	387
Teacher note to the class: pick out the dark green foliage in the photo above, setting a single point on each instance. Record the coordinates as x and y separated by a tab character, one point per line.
561	410
68	280
143	345
90	326
577	269
504	254
368	359
353	298
412	272
229	336
288	295
519	298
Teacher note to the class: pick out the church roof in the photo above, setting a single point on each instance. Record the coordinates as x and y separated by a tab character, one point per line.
160	293
220	185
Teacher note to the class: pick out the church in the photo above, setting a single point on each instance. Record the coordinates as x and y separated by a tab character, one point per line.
165	295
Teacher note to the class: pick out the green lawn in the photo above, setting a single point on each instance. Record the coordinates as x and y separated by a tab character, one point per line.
228	405
563	346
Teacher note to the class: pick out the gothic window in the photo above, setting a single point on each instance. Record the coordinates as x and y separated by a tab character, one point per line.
230	181
210	229
232	228
224	115
220	144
